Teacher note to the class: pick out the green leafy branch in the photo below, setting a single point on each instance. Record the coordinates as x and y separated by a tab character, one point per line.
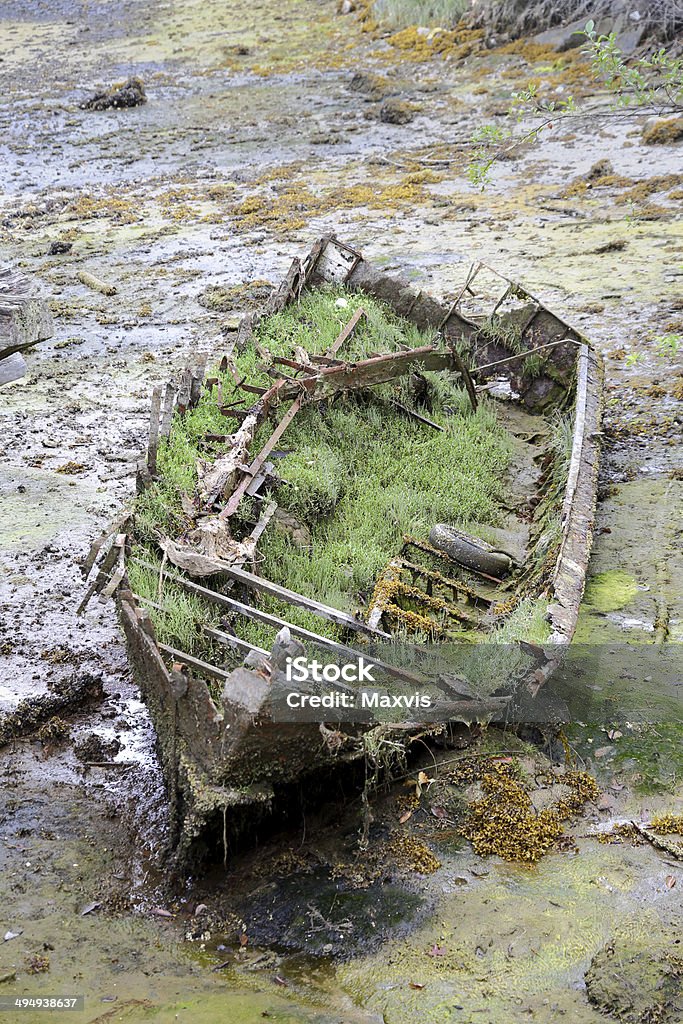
653	83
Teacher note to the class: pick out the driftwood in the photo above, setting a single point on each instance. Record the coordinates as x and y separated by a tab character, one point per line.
96	283
25	319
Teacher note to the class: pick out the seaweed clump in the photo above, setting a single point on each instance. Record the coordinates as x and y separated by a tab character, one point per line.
663	132
504	821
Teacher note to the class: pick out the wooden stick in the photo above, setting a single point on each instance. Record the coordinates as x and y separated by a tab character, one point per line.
189	659
265	517
167	414
233	641
249	612
254	582
523	355
255	466
153	444
415	415
346	332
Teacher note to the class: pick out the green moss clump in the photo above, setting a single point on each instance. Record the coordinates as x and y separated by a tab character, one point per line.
609	591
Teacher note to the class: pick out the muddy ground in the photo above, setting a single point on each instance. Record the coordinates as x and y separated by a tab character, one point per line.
254	140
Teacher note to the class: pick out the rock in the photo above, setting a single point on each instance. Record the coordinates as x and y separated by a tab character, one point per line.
394	111
59	248
563	37
549	797
94	747
130	93
375	87
663	132
469	551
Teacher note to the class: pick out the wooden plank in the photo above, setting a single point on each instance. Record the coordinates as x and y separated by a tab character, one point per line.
249	612
233	641
197	663
346	332
374	371
167	414
254	582
12	368
154	412
237	494
258	481
264	519
415	415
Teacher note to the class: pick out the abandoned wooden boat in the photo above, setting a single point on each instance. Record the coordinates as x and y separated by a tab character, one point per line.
370	473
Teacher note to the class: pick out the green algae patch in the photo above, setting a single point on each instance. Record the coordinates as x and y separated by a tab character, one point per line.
247	1008
638	978
610	591
506	945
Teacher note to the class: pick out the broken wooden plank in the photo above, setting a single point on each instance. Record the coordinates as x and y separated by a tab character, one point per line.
372	372
257	483
264	519
255	466
253	582
153	443
415	415
346	332
218	477
25	316
234	641
197	663
250	612
167	414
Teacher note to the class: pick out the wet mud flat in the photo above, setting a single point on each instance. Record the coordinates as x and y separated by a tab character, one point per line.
236	159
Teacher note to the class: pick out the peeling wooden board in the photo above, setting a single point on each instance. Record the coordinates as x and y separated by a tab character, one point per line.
25	316
12	368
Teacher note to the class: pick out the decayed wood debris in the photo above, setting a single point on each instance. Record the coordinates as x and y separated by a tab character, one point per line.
25	319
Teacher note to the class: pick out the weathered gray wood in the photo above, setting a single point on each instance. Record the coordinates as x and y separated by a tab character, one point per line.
12	368
96	283
197	663
250	612
154	413
264	519
234	641
167	414
371	372
25	316
255	466
254	582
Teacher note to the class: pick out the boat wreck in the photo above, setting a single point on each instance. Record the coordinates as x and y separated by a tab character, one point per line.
204	572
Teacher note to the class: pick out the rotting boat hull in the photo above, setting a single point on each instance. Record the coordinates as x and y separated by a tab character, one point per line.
218	759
